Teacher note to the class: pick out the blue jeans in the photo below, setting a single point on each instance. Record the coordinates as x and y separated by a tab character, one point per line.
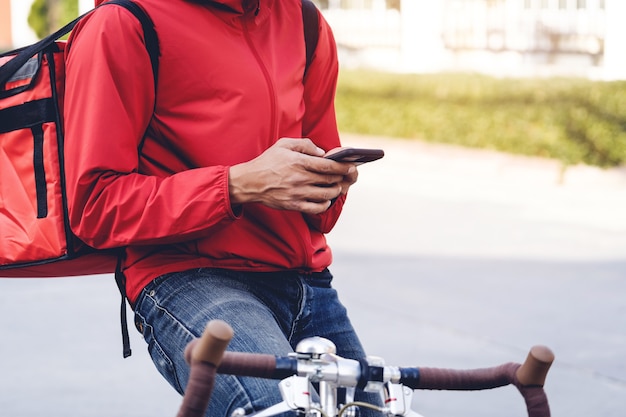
269	313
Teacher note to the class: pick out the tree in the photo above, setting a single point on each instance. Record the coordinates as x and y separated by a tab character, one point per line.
46	16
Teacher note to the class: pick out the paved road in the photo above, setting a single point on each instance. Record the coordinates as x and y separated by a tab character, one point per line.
444	257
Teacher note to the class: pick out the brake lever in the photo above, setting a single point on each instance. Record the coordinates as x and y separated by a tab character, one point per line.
296	393
398	399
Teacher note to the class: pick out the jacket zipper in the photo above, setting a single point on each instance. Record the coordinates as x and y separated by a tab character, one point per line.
274	124
270	85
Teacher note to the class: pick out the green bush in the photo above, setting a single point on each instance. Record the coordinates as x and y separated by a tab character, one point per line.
46	16
573	120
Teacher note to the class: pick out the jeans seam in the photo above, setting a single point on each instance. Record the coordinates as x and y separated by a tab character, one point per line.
169	314
301	307
179	323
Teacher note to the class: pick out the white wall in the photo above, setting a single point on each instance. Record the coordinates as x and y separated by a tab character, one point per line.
21	33
614	54
421	47
85	5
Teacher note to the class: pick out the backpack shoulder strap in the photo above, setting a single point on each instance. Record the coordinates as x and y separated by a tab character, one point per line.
149	33
310	19
24	54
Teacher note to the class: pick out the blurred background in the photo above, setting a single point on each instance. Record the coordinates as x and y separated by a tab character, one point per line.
500	37
495	221
532	77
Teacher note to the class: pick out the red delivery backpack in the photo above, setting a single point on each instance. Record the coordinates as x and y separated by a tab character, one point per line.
35	236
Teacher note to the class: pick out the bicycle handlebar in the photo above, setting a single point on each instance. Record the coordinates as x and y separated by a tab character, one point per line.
528	377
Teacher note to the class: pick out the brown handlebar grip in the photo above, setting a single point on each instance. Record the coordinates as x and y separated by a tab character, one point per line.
212	344
535	369
257	365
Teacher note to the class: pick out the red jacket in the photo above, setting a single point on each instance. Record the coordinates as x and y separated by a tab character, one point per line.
229	86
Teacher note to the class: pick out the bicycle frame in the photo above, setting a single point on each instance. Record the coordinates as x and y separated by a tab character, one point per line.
315	361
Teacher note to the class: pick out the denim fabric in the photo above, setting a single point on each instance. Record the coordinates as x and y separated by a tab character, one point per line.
269	313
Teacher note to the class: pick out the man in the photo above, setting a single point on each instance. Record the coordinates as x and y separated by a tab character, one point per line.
215	183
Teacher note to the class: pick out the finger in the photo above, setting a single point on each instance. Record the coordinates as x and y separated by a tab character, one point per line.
327	180
352	177
324	193
308	193
303	145
328	166
304	206
312	207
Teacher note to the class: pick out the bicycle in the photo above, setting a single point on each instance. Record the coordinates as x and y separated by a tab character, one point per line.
315	361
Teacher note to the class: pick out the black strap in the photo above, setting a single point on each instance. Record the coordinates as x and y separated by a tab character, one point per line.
149	33
41	190
11	67
120	280
28	114
24	54
311	31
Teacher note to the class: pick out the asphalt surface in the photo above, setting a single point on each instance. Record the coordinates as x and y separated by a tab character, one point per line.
444	257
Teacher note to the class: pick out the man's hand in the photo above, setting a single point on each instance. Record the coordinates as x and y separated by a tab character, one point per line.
291	175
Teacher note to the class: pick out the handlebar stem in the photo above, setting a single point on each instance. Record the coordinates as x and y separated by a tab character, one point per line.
331	368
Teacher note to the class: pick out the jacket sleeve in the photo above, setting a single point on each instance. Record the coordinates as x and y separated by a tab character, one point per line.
320	122
109	102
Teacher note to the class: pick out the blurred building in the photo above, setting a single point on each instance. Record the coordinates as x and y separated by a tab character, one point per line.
497	37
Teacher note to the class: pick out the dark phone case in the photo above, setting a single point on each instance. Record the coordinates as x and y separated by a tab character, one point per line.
357	155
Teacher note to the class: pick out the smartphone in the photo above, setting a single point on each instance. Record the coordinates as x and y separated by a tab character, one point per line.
355	155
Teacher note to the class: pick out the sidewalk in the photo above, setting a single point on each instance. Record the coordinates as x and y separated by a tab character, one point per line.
484	192
463	258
